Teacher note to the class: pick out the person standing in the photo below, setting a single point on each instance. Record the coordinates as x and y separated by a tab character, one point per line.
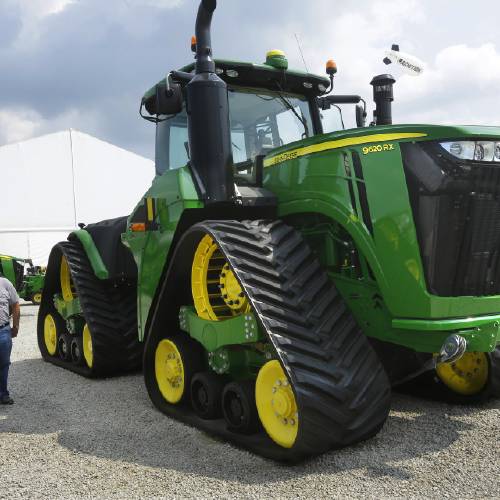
9	305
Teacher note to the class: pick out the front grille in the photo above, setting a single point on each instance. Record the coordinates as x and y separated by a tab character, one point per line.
456	208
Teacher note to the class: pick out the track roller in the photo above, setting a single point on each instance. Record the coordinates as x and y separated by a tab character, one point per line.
238	407
63	347
206	394
76	349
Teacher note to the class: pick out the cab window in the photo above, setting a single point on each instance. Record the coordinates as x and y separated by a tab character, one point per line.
171	143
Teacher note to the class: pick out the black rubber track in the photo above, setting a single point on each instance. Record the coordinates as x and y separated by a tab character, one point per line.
109	310
429	385
341	388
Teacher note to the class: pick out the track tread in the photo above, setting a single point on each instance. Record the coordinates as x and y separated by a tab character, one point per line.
109	310
341	388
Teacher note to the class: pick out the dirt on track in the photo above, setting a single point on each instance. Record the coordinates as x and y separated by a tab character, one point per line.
67	436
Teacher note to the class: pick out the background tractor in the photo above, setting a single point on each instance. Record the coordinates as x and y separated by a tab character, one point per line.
277	278
26	278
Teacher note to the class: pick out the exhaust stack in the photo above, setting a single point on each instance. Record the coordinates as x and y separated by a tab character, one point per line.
208	117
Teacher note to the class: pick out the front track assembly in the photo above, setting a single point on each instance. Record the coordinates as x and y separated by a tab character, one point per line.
340	389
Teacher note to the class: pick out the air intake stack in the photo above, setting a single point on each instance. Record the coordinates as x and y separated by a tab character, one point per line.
383	97
208	117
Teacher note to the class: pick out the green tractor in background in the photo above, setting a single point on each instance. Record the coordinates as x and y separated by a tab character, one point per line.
26	278
277	280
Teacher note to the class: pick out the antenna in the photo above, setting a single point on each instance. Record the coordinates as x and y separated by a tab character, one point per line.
301	54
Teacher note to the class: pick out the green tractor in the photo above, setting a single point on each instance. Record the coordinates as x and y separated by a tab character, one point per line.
26	278
276	281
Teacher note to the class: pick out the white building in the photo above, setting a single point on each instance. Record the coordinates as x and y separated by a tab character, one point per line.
51	183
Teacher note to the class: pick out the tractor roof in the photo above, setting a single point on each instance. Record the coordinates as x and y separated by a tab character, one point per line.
246	74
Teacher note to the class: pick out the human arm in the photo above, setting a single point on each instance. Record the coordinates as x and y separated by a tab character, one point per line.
15	310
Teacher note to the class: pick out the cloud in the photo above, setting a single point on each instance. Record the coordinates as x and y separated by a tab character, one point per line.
85	63
17	125
459	86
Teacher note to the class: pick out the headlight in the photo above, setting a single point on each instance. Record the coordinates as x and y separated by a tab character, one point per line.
473	150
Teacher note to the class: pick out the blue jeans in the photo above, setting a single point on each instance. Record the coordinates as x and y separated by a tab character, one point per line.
5	350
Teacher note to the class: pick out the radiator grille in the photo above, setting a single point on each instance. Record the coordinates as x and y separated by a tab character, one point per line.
456	208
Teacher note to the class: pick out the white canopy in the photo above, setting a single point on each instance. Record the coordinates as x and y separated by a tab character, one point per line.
51	183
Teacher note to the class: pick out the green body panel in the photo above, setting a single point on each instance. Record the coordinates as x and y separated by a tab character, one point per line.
172	193
31	283
228	343
92	253
67	309
317	183
212	335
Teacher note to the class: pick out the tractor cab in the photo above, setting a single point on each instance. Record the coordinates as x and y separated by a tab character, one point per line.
269	106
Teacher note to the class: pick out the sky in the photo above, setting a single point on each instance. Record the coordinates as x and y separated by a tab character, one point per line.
85	64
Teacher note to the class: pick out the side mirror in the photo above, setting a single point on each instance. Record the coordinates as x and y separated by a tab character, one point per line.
360	115
166	101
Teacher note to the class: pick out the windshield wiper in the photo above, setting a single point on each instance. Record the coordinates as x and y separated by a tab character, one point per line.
294	111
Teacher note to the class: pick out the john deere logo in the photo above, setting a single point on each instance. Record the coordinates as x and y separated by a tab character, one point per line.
378	148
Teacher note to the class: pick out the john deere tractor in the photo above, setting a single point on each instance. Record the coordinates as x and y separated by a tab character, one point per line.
277	280
26	278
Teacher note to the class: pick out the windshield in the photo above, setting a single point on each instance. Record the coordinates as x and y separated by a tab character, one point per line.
260	121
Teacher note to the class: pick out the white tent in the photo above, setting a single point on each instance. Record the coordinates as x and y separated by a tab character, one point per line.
51	183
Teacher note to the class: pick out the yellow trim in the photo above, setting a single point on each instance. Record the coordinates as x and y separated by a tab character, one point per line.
276	404
169	371
340	143
50	334
150	208
88	350
37	298
66	282
466	376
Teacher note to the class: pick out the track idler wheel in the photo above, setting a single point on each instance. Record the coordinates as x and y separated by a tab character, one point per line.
238	407
206	394
50	333
88	347
177	359
276	404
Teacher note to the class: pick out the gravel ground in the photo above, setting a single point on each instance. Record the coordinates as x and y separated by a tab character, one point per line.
71	437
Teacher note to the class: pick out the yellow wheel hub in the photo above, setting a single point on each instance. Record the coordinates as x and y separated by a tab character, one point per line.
231	291
67	288
216	292
37	298
169	371
88	351
276	404
467	376
50	334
